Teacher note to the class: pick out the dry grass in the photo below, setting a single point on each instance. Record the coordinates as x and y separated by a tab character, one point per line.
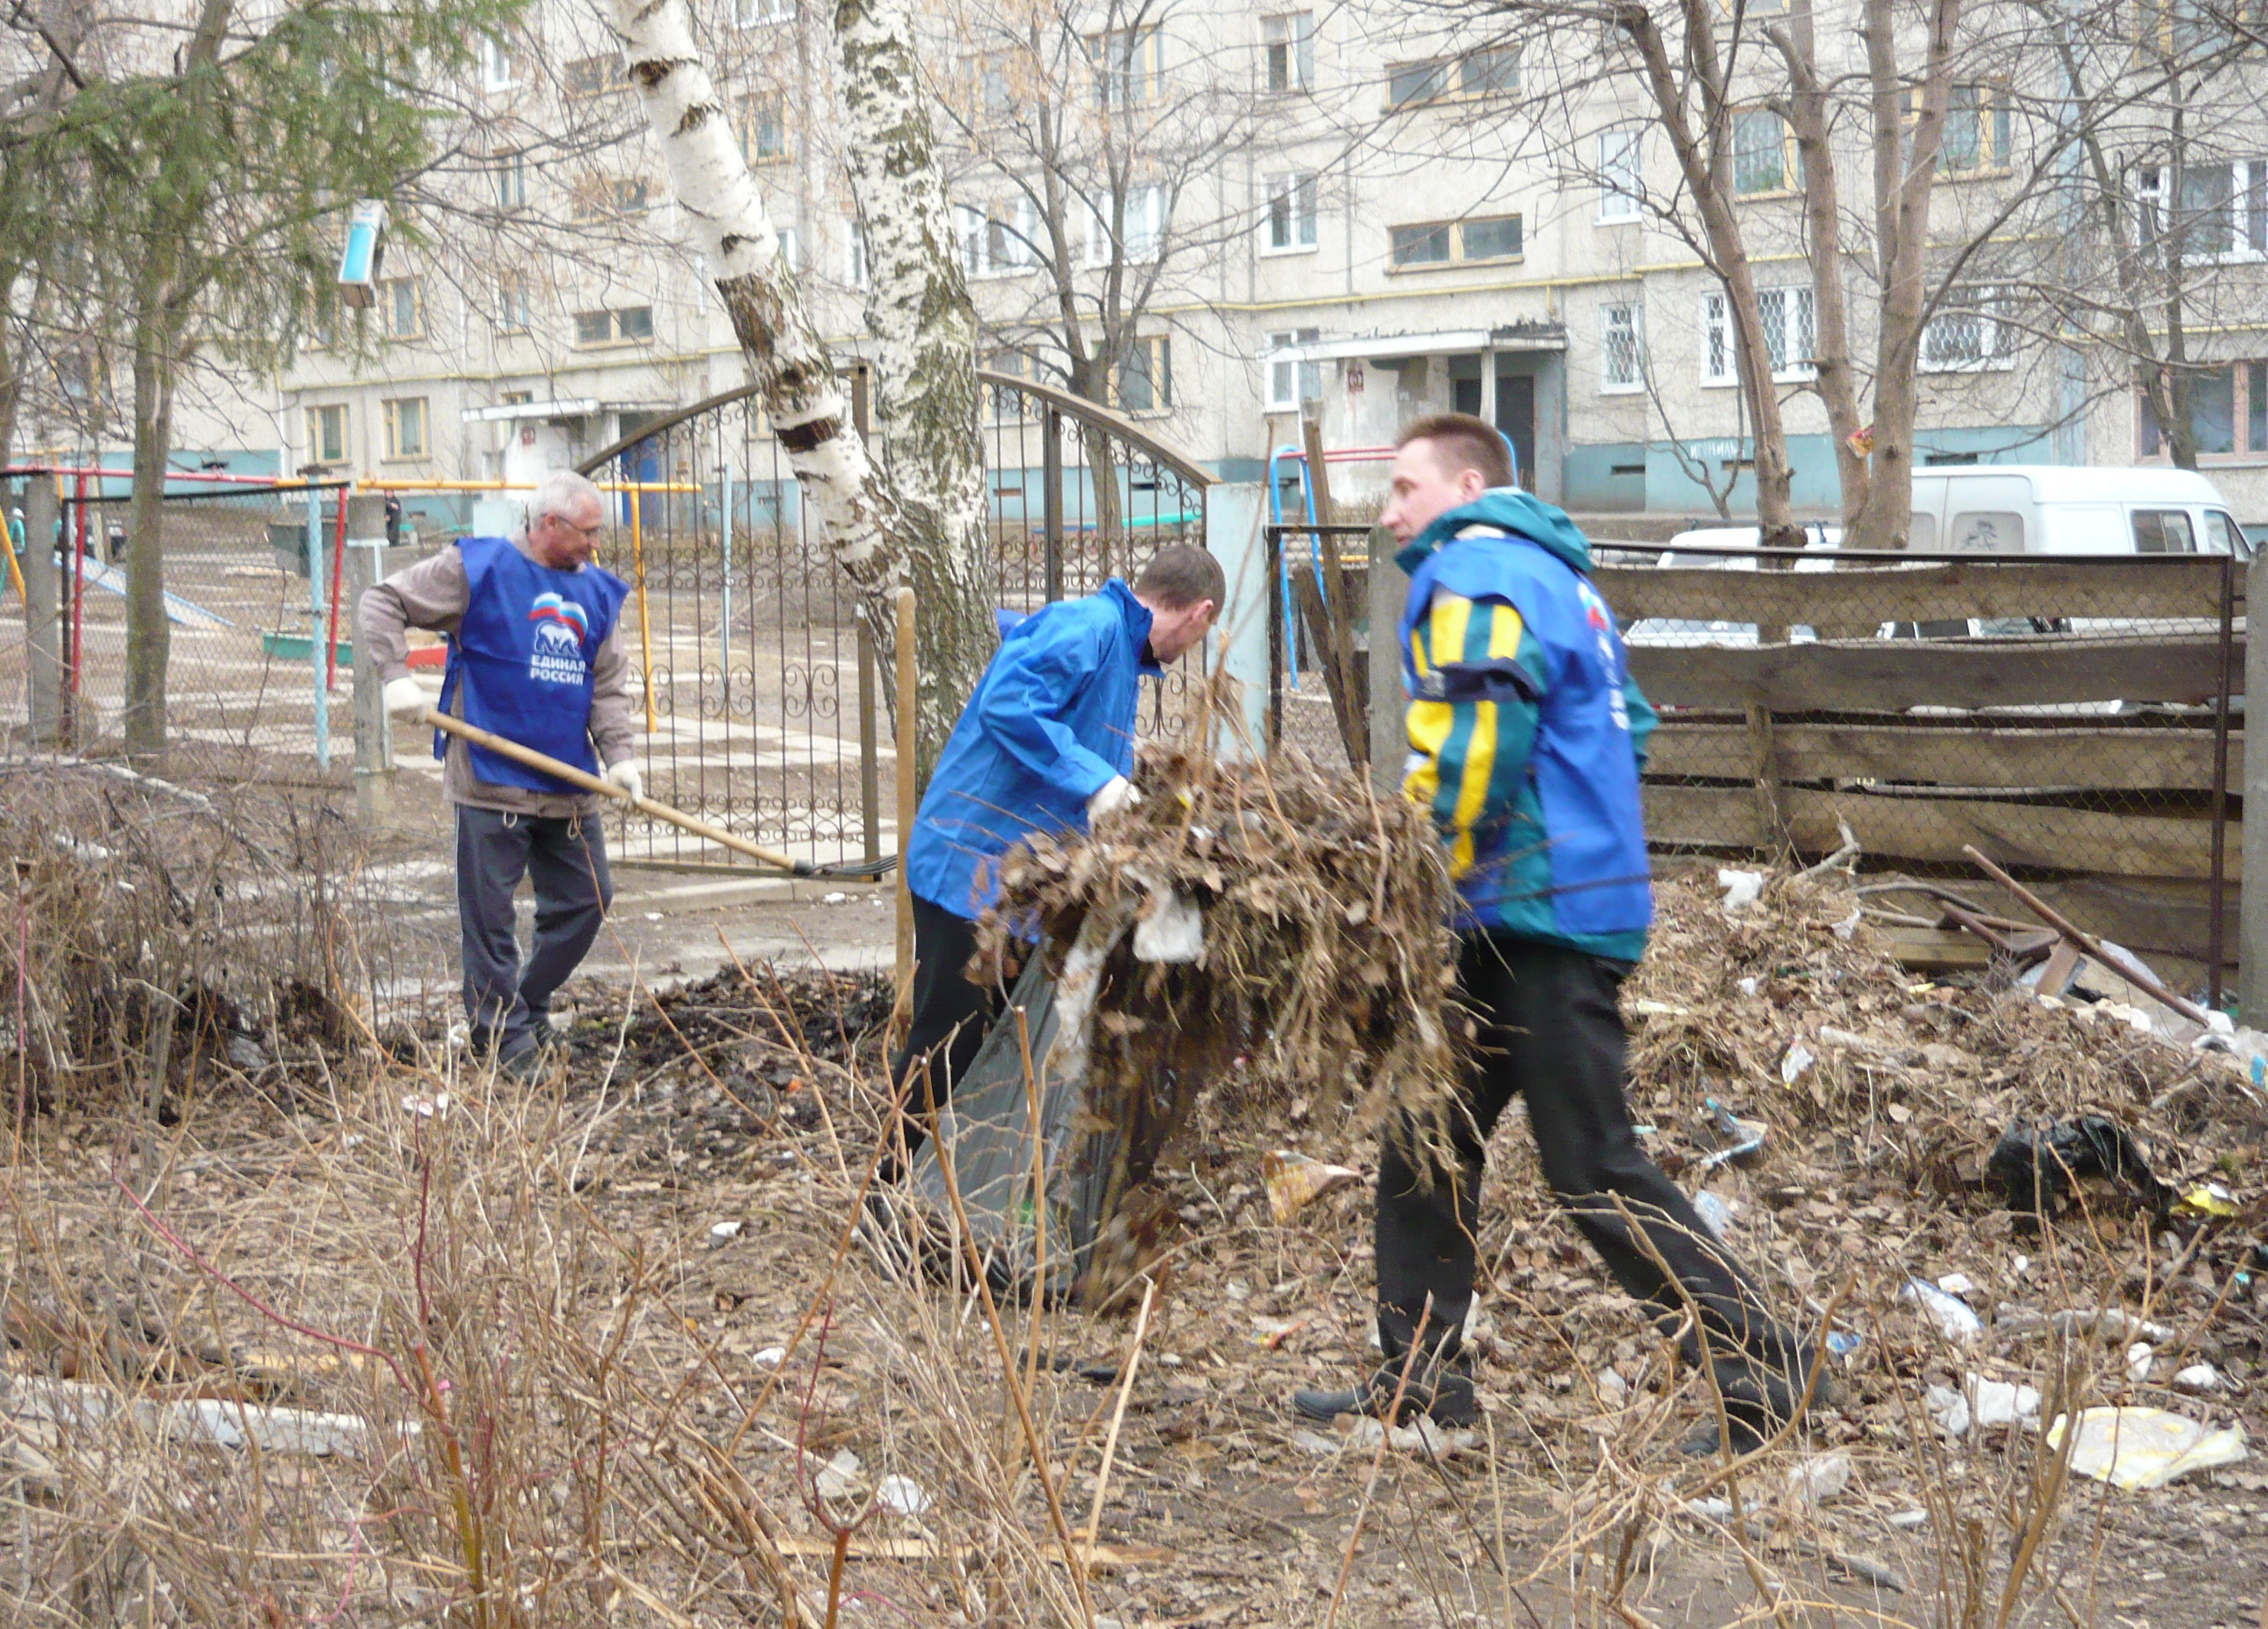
585	1407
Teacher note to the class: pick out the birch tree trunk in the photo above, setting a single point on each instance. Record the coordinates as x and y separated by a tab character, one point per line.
880	539
924	326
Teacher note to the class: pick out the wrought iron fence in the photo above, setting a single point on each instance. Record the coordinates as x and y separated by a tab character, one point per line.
757	672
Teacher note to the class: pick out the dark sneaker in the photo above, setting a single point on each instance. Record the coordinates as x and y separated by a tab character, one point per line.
532	1064
888	1232
1759	1398
1706	1441
1441	1392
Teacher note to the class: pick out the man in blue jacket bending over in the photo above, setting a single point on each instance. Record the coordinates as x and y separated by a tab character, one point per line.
1526	739
1046	744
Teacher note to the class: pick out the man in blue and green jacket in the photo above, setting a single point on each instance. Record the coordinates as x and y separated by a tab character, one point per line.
1527	735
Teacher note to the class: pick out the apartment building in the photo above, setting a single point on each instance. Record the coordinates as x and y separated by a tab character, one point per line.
1212	216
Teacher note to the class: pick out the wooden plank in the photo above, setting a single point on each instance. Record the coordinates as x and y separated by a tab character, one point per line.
2110	758
1932	950
2142	587
1889	676
1934	829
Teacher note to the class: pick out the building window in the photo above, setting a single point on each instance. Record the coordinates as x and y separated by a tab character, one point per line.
998	241
401	308
594	76
763	126
1492	71
1129	67
1789	343
498	69
1622	189
1145	376
1494	238
1718	354
1289	42
2228	411
790	248
326	434
405	427
856	266
511	180
753	14
1145	235
631	195
1977	129
606	328
1764	153
996	79
1292	212
514	313
1621	347
1292	379
2221	215
599	198
1970	333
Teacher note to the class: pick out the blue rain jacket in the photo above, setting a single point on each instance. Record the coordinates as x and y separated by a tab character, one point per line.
1526	733
522	655
1052	721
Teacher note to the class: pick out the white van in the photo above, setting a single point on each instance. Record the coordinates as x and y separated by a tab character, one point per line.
2069	510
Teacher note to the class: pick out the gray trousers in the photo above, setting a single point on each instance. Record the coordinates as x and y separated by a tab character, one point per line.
566	860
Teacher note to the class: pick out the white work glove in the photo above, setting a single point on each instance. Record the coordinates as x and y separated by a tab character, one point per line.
626	776
406	698
1115	794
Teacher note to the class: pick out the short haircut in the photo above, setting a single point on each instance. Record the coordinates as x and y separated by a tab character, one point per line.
1179	575
1465	442
559	491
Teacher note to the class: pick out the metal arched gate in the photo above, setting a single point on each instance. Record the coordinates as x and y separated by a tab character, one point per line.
759	683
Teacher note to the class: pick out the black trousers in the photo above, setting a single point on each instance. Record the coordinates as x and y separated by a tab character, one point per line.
566	860
951	1018
1552	1030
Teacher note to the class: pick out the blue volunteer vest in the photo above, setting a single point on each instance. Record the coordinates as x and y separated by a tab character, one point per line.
522	658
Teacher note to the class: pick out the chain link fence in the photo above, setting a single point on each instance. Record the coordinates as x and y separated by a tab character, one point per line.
245	634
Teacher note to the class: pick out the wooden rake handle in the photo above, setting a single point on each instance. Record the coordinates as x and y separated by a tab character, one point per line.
574	776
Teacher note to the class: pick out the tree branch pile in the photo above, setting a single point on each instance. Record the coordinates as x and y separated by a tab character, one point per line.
1324	975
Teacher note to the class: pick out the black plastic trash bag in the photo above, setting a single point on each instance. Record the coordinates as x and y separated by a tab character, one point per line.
2035	1164
987	1128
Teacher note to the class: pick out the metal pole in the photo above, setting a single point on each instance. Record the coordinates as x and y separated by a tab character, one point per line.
908	759
1277	621
42	627
2252	837
1052	503
78	620
869	754
374	730
338	573
315	626
2217	931
724	525
645	627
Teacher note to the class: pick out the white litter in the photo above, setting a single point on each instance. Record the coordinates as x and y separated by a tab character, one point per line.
2001	1403
838	1478
724	1230
1711	1509
770	1358
2140	1357
1614	1390
1795	1062
1949	1409
1421	1436
903	1496
1315	1442
1849	925
1748	986
1906	1520
1173	931
433	1108
1820	1478
1956	1283
1714	1211
2199	1377
1741	888
832	899
2144	1448
1954	1319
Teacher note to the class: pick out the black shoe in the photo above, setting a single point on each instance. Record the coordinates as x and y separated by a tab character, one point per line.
887	1232
531	1064
541	1031
1759	1398
1443	1392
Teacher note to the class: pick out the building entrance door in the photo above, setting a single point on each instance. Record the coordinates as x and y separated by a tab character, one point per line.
1515	416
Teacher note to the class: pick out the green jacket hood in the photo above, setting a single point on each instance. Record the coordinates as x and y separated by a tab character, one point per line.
1520	514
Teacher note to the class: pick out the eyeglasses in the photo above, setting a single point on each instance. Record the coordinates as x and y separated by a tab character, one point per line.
591	531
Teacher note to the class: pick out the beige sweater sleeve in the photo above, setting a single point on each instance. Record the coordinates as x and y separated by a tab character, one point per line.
429	594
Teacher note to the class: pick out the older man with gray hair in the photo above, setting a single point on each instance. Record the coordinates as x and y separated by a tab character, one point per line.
534	656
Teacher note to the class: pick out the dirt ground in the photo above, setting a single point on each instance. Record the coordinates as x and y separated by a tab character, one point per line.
641	1375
